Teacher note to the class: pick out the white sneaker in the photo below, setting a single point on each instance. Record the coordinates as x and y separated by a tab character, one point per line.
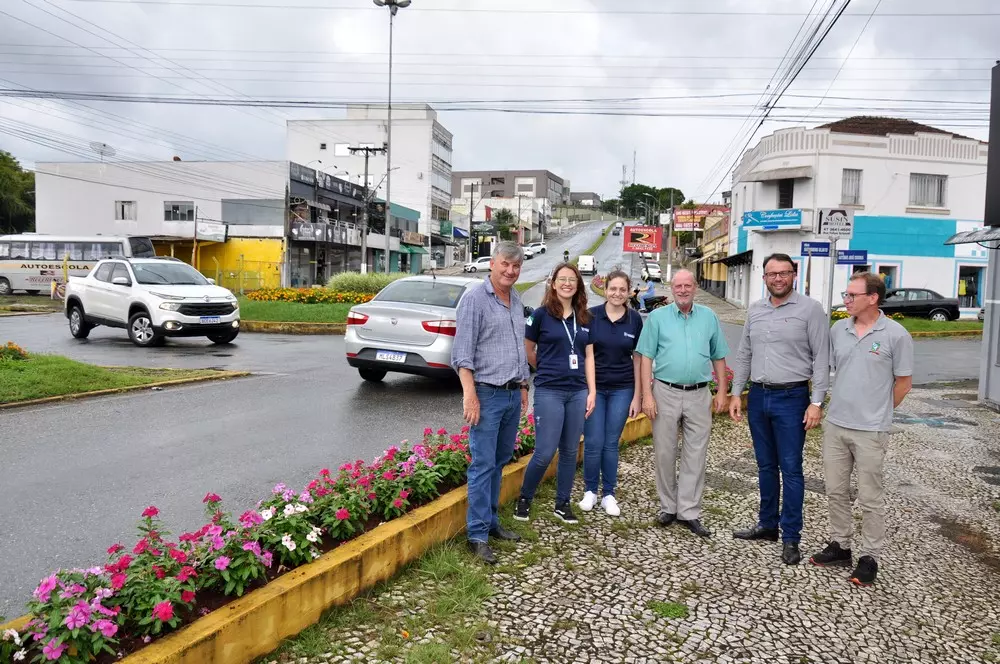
610	506
588	502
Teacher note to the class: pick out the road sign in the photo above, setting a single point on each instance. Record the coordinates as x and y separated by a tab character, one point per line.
816	249
852	257
643	238
835	223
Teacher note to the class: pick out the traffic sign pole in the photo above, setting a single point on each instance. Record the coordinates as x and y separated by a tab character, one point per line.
829	280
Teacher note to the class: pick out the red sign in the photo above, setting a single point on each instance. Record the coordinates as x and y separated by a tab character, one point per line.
643	238
489	213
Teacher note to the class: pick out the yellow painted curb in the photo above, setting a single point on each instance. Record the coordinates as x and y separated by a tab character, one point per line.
944	335
275	327
257	623
221	375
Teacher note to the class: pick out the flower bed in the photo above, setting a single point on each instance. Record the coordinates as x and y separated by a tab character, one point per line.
104	612
317	295
840	314
11	352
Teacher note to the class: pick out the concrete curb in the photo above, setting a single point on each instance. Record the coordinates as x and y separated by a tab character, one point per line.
276	327
221	375
256	624
944	335
10	314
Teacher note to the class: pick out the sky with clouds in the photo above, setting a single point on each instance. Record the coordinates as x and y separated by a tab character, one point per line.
673	81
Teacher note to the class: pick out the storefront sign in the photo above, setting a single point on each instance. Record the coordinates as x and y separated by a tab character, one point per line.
773	220
446	227
410	237
305	231
211	231
835	224
643	238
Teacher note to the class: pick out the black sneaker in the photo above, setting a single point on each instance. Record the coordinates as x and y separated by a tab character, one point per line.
864	574
522	511
565	513
832	555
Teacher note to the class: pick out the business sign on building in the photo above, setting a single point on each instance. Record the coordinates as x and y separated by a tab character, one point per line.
773	220
409	237
835	223
211	231
643	238
684	220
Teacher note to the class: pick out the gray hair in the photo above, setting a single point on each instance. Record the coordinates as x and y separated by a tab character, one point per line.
509	249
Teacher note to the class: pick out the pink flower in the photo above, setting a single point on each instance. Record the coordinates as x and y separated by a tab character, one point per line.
428	431
251	518
343	514
76	618
266	559
45	588
105	627
214	531
345	467
211	498
253	547
164	611
278	488
466	429
372	495
221	563
398	504
388	475
404	494
456	438
140	546
186	573
178	555
150	512
217	544
325	472
53	650
118	580
442	431
115	548
187	596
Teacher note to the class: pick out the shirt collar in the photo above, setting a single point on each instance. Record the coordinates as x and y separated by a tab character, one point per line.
793	298
515	298
677	310
878	325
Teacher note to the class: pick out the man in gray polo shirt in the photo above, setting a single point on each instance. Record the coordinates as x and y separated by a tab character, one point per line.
785	345
873	359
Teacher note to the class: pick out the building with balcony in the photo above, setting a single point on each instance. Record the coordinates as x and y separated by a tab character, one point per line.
909	186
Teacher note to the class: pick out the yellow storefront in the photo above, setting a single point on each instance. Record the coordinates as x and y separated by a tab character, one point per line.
240	264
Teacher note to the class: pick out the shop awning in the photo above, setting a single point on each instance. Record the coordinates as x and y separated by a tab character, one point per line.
705	259
460	233
744	258
414	249
404	249
778	174
988	234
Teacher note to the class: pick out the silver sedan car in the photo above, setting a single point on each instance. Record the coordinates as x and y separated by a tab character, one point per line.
408	328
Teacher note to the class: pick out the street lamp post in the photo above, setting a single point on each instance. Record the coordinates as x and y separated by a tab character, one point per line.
394	6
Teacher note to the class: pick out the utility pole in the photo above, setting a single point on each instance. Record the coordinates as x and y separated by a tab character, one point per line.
623	183
670	239
368	152
633	166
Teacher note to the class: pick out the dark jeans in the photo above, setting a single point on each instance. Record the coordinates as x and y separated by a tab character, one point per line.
601	435
559	417
491	444
775	418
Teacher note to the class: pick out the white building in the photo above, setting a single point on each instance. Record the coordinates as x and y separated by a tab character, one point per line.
533	213
911	187
421	155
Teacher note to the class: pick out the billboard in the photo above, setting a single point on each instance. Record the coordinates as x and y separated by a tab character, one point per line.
643	238
685	220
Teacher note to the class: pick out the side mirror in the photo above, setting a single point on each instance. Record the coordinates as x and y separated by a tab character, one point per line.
211	281
121	281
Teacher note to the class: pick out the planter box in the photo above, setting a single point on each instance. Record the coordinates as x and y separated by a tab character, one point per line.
257	623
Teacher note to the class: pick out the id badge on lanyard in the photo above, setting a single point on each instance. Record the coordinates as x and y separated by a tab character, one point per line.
574	359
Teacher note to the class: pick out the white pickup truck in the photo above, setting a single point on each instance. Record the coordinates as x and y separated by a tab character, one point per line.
152	298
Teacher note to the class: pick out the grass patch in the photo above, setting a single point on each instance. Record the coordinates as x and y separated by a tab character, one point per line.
525	286
996	638
42	376
293	312
668	609
428	653
924	325
594	247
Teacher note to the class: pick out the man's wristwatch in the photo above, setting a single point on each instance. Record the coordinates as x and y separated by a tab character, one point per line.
818	405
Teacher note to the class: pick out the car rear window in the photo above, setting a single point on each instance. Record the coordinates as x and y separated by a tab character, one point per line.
436	293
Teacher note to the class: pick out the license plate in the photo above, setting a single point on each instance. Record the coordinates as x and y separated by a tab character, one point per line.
390	356
210	320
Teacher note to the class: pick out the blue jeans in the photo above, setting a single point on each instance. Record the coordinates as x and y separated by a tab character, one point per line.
601	435
491	444
779	435
559	417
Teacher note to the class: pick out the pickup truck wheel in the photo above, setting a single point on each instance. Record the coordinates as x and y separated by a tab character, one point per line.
78	325
141	330
5	288
940	315
224	338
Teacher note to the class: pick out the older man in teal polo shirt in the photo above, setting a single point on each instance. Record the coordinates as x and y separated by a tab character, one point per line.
680	345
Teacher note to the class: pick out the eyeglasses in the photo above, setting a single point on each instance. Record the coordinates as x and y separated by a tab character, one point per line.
850	297
565	280
784	274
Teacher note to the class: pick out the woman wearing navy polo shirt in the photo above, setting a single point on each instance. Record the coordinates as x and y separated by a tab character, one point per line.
557	340
614	331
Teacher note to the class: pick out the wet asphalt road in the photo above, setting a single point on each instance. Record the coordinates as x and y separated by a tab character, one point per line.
75	476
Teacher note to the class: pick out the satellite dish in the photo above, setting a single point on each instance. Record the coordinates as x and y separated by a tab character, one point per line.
103	149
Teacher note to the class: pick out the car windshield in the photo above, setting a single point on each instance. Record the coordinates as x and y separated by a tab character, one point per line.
436	293
168	273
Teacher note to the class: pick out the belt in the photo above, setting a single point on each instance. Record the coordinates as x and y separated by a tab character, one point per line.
782	386
509	385
686	388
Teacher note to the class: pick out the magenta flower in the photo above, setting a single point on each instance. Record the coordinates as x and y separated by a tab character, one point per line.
266	559
250	518
442	431
221	563
114	548
217	544
428	431
212	498
53	650
388	475
45	588
107	628
404	494
253	547
164	611
187	596
305	497
398	503
150	512
76	618
186	573
279	487
343	514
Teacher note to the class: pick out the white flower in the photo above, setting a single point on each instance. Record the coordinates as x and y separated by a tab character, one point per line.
300	508
267	514
288	542
8	634
289	509
20	654
315	555
312	537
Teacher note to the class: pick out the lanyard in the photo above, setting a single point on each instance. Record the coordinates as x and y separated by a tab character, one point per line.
572	339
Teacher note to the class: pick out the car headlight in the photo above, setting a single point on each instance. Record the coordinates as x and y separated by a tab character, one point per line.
171	306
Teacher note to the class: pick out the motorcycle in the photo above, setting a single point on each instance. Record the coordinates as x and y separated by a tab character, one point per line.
652	303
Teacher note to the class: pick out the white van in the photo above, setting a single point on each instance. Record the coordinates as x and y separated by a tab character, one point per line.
587	265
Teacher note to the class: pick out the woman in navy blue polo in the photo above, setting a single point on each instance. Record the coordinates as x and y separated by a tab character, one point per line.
614	331
558	344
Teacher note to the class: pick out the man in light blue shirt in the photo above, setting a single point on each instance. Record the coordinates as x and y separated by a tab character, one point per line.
685	342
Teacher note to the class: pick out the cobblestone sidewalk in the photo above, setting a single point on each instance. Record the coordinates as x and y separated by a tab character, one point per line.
726	312
625	590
